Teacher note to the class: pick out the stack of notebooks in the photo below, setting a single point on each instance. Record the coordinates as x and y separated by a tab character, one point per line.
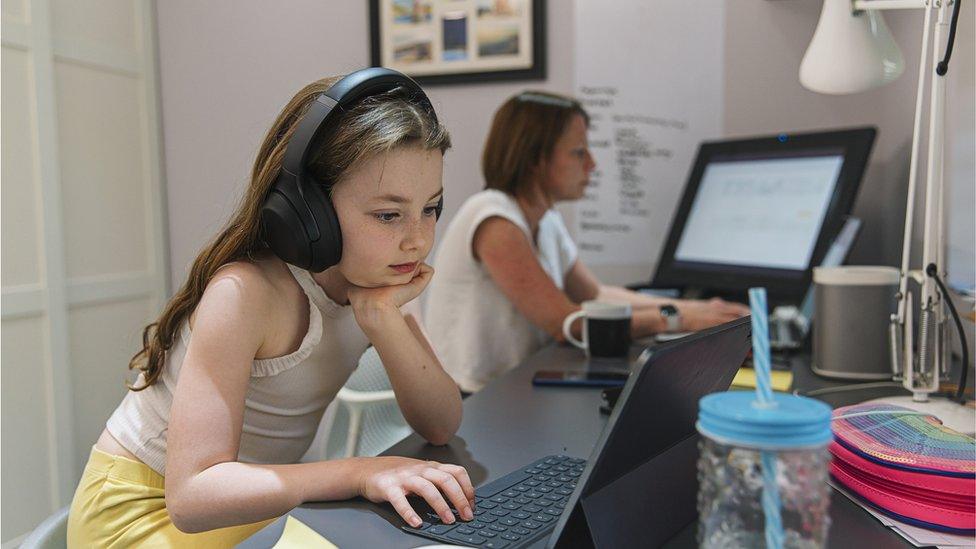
907	466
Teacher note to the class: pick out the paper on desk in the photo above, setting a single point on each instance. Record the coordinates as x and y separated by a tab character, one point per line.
780	379
298	536
919	537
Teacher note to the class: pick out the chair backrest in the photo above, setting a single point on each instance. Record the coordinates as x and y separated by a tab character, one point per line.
380	423
50	534
370	374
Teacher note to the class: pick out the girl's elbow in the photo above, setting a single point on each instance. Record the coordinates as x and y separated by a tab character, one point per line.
179	515
439	438
185	527
183	518
442	434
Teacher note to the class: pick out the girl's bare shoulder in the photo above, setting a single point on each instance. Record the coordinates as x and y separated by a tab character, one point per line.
261	284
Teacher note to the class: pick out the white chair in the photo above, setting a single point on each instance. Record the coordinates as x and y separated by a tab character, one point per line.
50	534
367	419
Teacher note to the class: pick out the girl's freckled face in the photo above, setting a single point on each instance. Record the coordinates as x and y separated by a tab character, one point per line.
386	208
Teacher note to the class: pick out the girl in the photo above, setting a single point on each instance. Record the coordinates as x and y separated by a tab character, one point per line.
508	271
238	369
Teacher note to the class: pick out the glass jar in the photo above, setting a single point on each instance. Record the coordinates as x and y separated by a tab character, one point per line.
762	472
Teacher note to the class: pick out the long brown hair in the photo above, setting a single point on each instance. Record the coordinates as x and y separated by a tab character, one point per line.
523	133
374	125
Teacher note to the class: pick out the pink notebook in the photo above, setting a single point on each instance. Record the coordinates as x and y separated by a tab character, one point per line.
910	467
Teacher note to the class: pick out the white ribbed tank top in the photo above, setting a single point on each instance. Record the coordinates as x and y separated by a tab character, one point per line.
286	395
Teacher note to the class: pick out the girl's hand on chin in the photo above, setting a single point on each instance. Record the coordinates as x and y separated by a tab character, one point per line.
370	305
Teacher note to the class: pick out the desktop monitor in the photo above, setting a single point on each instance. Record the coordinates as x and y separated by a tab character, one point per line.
762	212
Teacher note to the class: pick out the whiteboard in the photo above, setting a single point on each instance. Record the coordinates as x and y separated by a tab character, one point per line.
650	74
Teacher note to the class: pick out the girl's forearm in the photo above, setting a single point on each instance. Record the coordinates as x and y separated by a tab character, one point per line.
428	397
234	493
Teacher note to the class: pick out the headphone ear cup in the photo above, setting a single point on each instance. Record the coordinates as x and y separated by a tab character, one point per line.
283	231
327	251
439	208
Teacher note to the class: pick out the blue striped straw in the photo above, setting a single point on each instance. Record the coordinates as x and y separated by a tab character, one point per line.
764	397
771	502
760	345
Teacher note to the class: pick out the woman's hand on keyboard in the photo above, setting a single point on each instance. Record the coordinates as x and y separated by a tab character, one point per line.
701	314
392	479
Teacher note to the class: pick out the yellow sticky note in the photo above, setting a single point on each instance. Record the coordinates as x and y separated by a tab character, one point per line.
779	379
299	536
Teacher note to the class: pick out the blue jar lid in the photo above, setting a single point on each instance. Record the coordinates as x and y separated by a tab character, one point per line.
737	418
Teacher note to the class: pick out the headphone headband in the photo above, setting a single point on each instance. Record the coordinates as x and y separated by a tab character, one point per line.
342	94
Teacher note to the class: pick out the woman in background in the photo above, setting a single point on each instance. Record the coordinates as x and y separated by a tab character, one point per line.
508	272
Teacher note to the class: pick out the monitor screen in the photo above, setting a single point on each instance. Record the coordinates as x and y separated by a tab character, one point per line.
761	212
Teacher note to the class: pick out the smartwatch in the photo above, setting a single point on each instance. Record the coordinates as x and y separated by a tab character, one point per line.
672	317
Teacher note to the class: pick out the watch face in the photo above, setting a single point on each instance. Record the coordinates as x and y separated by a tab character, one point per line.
672	317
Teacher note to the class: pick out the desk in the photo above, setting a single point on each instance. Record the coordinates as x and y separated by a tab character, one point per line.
509	424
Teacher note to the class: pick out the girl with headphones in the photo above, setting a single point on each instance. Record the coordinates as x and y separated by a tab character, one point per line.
327	245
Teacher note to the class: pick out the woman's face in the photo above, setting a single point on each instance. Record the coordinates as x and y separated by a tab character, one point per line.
567	171
386	208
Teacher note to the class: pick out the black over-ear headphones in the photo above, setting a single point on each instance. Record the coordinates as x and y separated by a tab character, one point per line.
298	220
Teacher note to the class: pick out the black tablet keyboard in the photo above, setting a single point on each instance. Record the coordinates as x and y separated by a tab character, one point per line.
513	511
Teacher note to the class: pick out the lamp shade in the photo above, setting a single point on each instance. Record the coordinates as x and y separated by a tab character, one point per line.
850	51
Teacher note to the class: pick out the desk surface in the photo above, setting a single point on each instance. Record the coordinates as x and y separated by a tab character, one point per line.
511	423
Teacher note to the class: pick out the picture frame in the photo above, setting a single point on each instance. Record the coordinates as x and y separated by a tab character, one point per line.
459	41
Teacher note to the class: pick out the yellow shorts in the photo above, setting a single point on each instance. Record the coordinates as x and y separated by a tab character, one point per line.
119	503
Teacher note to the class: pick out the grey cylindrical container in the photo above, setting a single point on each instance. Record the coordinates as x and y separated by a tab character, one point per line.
850	329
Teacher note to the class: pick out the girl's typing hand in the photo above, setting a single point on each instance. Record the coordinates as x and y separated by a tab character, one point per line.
392	479
371	304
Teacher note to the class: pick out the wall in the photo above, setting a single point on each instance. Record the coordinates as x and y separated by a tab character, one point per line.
961	145
82	236
227	68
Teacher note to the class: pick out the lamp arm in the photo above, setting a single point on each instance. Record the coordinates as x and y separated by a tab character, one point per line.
932	242
913	171
860	5
922	377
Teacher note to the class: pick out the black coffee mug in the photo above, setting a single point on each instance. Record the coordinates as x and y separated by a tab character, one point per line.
606	329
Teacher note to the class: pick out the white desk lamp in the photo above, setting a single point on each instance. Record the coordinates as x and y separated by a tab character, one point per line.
852	51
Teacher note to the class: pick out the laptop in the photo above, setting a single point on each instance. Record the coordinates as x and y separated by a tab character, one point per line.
639	485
